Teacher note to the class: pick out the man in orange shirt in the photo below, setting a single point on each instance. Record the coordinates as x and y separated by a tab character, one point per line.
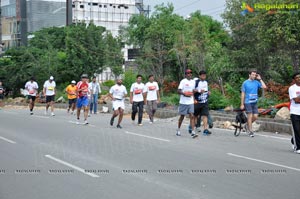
71	90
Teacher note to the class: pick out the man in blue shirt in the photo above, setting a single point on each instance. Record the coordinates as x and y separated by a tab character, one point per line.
249	98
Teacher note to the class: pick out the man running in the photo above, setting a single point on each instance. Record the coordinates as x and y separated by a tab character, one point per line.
118	93
294	94
201	101
186	103
137	99
82	100
151	97
49	91
71	90
32	88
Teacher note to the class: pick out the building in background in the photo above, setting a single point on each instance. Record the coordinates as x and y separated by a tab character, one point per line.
21	17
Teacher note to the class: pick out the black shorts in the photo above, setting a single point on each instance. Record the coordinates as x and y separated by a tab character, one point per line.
72	101
1	97
50	98
31	97
201	109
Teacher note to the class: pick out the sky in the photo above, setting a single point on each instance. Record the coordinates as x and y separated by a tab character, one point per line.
213	8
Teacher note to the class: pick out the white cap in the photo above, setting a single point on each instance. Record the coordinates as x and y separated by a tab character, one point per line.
73	82
51	78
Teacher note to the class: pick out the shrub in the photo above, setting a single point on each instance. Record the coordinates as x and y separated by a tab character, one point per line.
171	99
217	100
109	83
130	77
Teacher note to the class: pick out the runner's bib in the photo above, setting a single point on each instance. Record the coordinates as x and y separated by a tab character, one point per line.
151	88
138	91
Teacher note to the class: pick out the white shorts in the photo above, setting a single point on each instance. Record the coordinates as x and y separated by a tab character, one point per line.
118	104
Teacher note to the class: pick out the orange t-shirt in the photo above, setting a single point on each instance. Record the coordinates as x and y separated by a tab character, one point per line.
71	90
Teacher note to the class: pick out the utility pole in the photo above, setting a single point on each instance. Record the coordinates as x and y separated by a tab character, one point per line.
1	45
69	12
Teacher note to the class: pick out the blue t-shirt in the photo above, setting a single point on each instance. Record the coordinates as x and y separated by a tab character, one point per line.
250	88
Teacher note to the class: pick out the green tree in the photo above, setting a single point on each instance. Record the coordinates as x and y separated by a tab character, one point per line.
265	40
85	48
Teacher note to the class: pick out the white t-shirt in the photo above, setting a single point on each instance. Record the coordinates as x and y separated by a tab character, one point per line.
294	91
151	90
186	86
50	88
118	92
31	87
137	92
94	87
202	85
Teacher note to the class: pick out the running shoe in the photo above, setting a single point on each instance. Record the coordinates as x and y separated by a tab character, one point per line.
112	121
86	122
206	132
194	135
251	134
119	126
31	113
178	132
52	114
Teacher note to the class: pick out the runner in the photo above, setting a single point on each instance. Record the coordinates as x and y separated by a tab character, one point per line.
152	97
201	101
49	91
32	88
137	99
71	91
82	100
186	103
2	90
118	93
294	94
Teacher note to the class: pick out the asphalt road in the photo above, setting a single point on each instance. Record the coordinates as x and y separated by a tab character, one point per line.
44	157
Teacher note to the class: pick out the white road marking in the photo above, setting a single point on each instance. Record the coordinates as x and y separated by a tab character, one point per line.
73	122
40	116
7	140
276	137
258	134
262	161
71	166
146	136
